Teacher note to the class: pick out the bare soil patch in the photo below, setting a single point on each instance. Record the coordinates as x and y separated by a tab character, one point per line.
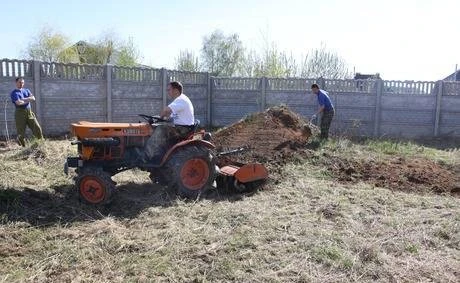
398	173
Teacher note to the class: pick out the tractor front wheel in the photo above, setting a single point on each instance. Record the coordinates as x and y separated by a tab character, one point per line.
94	185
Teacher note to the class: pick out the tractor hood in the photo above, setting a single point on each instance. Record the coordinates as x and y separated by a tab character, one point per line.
85	129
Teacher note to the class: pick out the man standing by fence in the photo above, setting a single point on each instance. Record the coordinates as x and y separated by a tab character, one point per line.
326	109
24	117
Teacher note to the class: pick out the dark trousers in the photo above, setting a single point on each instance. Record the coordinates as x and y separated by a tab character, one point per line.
164	136
26	118
326	120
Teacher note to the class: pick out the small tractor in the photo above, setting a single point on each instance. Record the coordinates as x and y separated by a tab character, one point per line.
189	166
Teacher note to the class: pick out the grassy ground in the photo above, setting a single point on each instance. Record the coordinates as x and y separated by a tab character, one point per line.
304	227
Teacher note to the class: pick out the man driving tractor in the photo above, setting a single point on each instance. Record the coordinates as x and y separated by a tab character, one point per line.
172	152
181	111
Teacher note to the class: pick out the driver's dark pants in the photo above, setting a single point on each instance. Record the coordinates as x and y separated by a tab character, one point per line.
162	139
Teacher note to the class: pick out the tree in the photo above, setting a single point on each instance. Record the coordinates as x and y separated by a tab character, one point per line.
128	54
323	63
275	63
187	61
108	49
106	45
271	63
51	46
222	55
249	64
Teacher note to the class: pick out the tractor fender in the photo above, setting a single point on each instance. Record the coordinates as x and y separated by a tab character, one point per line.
185	143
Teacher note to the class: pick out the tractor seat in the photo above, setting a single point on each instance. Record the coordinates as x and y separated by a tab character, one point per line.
193	129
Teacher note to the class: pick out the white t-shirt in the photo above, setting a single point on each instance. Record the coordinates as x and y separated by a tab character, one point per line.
182	111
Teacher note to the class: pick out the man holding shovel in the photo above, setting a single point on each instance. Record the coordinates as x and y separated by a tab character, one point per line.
326	109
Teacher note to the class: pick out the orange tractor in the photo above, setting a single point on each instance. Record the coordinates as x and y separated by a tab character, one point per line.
189	166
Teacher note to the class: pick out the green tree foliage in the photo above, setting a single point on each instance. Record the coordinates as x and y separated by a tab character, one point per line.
225	56
51	46
187	61
128	55
321	62
271	63
108	48
222	55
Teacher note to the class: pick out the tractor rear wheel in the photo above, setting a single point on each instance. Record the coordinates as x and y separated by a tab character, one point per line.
95	186
192	170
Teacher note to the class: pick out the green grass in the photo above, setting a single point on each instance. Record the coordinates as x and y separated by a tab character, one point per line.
379	149
305	228
409	149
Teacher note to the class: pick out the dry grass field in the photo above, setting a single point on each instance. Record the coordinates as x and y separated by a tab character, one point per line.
324	216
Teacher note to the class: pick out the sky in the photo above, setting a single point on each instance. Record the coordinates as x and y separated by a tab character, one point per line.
401	40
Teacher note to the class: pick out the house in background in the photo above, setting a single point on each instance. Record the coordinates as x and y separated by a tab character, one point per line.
359	76
107	52
94	54
455	76
360	81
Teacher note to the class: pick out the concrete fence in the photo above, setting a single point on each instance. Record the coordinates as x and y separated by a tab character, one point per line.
67	93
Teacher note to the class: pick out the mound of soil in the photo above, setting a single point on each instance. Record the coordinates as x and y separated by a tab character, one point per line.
412	175
268	136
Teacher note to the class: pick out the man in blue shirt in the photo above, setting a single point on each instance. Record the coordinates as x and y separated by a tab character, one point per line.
24	117
326	109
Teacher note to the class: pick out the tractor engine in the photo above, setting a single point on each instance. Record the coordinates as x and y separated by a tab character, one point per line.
98	142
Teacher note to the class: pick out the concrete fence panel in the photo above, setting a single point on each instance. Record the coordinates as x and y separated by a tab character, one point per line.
68	93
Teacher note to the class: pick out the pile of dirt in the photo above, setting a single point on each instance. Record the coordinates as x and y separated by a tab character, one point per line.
270	136
410	175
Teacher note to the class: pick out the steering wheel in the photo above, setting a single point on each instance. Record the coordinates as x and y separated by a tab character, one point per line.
152	119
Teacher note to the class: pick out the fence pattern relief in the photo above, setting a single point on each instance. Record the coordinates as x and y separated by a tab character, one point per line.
15	68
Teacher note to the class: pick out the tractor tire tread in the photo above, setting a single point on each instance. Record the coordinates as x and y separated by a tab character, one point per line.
172	169
105	177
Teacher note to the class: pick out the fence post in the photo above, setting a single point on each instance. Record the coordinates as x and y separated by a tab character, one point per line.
438	108
37	92
108	79
209	100
164	85
263	98
335	102
378	106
